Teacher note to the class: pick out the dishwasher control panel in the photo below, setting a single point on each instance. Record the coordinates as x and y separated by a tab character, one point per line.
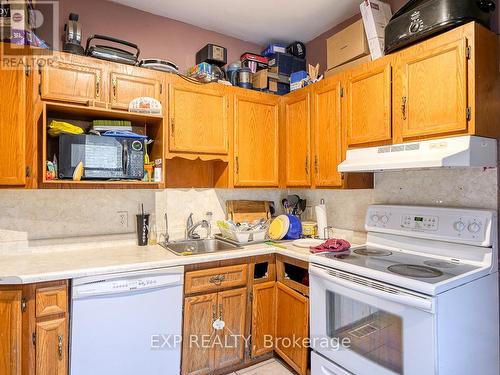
96	286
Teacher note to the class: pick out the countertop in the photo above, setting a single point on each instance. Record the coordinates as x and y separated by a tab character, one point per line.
69	261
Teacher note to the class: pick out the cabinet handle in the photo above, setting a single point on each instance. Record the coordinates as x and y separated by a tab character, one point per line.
307	165
316	168
214	312
98	85
221	315
114	88
237	164
403	107
172	127
60	346
217	280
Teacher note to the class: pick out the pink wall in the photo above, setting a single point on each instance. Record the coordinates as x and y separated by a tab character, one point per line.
157	37
316	48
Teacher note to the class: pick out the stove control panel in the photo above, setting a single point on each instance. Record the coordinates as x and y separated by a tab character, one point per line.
420	222
446	224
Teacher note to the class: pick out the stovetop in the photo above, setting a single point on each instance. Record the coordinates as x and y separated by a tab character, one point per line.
398	263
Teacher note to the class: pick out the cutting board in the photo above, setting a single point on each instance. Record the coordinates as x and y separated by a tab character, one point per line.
243	210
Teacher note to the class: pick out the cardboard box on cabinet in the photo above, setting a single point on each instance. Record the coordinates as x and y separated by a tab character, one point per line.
347	45
375	15
349	65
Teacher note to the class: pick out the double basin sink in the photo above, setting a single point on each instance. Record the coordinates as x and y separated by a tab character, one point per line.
198	247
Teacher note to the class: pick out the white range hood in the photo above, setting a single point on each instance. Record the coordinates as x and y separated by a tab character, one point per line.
465	151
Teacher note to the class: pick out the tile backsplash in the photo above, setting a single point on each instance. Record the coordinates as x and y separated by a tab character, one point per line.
42	214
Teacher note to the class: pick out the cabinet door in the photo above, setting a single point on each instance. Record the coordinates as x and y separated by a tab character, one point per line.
369	105
256	143
297	128
10	332
12	127
72	82
434	91
126	87
199	314
232	307
199	119
263	318
292	323
52	347
327	129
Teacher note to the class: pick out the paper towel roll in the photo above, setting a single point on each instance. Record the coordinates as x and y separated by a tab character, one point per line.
321	218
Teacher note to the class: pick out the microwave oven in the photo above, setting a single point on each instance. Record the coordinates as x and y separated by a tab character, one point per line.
103	157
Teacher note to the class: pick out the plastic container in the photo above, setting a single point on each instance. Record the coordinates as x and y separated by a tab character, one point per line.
295	230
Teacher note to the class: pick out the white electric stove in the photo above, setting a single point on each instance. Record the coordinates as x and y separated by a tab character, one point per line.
420	297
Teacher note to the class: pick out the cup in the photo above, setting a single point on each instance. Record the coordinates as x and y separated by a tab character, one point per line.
142	229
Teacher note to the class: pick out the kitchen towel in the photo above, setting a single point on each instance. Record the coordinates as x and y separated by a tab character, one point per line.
332	245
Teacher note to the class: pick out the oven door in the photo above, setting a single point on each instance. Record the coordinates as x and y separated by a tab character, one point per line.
368	327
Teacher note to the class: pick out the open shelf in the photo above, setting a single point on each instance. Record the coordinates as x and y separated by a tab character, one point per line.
90	113
82	116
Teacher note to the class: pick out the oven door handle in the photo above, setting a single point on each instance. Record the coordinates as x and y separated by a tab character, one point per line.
401	297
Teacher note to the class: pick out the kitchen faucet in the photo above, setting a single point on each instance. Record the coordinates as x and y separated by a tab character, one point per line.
192	227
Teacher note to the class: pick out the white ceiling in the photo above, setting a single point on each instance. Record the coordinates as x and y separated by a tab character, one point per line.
258	21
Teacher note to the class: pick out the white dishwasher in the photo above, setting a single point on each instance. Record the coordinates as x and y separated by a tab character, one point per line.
127	323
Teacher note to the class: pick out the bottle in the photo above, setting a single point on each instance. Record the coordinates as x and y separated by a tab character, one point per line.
152	235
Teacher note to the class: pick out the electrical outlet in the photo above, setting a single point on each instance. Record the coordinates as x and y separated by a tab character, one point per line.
123	219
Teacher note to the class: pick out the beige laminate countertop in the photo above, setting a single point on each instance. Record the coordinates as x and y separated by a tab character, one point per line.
71	260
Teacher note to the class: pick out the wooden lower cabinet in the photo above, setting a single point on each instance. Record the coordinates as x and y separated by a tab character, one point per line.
263	317
10	331
34	341
199	314
206	349
292	326
232	311
51	347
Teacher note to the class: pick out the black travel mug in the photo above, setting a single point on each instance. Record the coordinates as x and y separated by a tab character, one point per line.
142	229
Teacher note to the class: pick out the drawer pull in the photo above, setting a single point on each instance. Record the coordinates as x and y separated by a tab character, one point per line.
217	280
60	346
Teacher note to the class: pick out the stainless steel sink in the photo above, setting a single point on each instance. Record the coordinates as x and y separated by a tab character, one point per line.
197	247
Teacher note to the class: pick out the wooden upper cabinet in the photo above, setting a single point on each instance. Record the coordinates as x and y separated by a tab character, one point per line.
368	91
199	314
256	139
232	307
199	118
52	347
12	127
292	323
73	82
432	98
263	317
297	136
126	87
327	133
10	332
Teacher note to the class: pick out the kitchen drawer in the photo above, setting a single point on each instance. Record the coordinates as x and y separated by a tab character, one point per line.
51	301
216	279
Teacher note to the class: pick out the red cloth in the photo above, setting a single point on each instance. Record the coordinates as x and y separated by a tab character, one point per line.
333	245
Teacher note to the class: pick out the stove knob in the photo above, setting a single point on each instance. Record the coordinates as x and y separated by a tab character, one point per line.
459	226
474	227
375	218
384	219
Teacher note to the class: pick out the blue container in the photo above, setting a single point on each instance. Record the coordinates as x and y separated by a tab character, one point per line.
295	229
298	76
271	49
286	63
